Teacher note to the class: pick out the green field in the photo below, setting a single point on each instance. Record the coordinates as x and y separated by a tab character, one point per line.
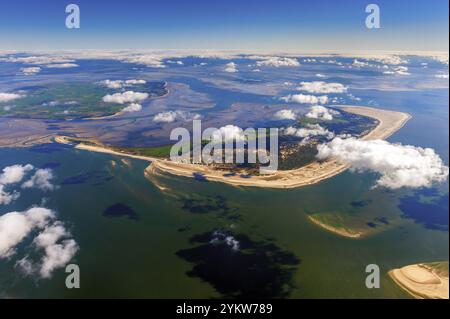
70	101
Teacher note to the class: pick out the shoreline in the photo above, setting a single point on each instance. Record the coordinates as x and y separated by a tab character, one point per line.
422	281
335	230
313	173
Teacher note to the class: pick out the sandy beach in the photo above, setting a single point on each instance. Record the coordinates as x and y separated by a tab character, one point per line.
389	123
346	232
422	281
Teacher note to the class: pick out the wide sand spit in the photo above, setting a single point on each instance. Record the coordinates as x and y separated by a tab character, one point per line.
422	281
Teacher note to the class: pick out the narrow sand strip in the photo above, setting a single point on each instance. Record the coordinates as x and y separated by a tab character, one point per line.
421	281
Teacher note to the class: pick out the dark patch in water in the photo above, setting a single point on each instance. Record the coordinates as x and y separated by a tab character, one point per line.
49	148
361	203
183	229
432	214
199	177
94	178
210	204
229	174
382	220
51	165
255	269
53	127
372	225
120	210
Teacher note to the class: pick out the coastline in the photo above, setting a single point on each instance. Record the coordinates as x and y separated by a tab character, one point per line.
336	230
422	281
389	123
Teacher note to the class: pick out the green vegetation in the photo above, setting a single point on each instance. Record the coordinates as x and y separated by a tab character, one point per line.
161	151
74	100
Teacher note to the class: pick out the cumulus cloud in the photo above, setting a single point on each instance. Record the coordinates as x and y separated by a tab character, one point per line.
228	133
125	97
172	116
309	131
14	174
41	179
6	97
278	62
53	239
148	60
305	99
62	65
321	112
285	115
319	75
399	165
30	70
7	198
231	67
400	70
57	255
442	76
219	237
359	64
118	84
133	107
322	87
15	226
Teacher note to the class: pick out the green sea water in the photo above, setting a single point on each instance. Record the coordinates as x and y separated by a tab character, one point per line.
140	257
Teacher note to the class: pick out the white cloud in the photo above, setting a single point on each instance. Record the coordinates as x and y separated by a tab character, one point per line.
321	112
41	59
278	62
133	107
118	84
40	179
14	174
309	131
231	67
442	76
322	87
15	226
171	116
7	198
57	255
30	70
400	70
219	237
125	97
166	117
53	239
6	97
228	133
319	75
305	99
62	65
359	64
285	115
399	165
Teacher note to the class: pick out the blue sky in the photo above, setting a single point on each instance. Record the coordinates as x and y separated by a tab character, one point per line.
282	25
